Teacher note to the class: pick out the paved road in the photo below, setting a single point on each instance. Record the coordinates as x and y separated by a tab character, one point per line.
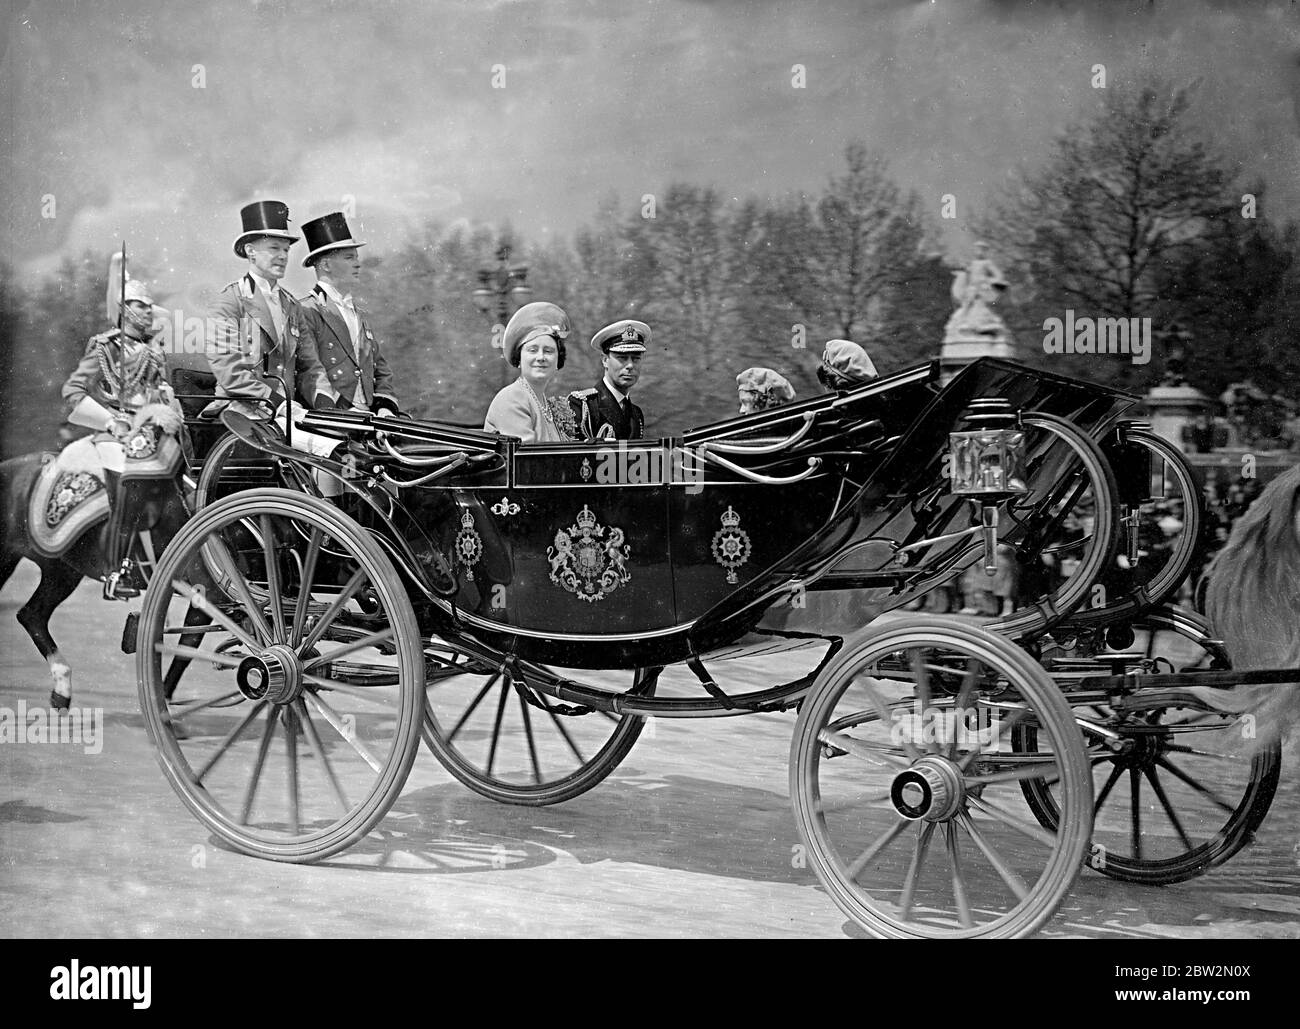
692	836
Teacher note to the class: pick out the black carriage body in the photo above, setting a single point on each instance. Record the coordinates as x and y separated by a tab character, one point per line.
592	555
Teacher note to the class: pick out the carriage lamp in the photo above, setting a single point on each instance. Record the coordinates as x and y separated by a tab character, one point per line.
987	459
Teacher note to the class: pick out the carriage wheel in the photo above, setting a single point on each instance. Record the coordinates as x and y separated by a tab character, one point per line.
906	791
1185	793
511	742
300	713
1071	482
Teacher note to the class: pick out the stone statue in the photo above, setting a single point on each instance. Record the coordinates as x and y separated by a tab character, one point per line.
975	289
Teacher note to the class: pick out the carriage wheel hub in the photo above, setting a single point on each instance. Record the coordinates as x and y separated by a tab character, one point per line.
931	789
274	675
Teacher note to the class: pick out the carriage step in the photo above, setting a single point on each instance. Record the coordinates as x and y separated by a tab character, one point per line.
129	631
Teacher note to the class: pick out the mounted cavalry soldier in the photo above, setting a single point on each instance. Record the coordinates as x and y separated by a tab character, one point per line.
259	341
120	390
606	411
345	341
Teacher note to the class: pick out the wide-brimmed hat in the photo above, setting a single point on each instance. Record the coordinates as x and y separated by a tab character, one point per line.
326	233
264	218
622	337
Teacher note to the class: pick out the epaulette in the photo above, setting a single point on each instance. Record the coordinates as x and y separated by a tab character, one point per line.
103	337
583	394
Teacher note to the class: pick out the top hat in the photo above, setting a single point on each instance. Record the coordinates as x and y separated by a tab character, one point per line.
328	232
264	218
623	337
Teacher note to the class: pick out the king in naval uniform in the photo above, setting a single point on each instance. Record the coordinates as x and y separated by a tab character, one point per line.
606	410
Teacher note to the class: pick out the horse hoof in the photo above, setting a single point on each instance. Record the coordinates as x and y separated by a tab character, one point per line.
58	702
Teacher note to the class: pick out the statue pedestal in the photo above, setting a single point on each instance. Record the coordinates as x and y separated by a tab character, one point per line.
960	351
1171	408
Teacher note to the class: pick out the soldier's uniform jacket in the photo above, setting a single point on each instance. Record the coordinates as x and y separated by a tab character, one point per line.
244	351
343	365
146	372
599	415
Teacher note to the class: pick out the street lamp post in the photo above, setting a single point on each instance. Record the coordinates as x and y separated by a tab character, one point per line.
501	292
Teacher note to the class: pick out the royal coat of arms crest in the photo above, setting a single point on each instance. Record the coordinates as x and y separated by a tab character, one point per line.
731	547
588	559
469	545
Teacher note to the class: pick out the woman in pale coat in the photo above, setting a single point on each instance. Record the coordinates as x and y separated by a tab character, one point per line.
534	343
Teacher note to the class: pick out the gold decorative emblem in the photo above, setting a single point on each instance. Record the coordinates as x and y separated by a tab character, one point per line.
731	547
588	559
630	335
505	506
469	545
585	470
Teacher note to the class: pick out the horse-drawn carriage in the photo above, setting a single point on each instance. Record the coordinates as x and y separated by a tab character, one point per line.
515	608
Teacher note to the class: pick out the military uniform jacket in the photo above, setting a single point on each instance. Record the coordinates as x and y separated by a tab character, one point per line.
344	366
146	371
599	415
244	351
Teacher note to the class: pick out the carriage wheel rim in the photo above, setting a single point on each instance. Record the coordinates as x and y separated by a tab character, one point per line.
342	754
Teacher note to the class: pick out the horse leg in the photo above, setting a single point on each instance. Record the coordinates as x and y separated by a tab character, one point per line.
58	580
193	616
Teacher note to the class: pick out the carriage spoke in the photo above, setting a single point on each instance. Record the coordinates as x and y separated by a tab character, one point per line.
473	705
958	881
559	724
199	705
914	868
995	859
318	749
1004	727
1135	810
372	640
340	726
290	722
230	738
336	606
1116	772
861	750
1200	788
1159	791
272	559
1034	770
964	697
881	843
304	589
264	745
372	694
528	731
882	710
921	681
1012	822
496	727
236	579
196	597
224	660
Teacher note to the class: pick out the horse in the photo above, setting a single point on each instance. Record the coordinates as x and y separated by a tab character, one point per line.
1252	604
161	508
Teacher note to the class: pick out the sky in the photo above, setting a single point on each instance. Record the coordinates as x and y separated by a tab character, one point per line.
395	104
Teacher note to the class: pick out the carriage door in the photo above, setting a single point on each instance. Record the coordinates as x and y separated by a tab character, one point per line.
586	527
